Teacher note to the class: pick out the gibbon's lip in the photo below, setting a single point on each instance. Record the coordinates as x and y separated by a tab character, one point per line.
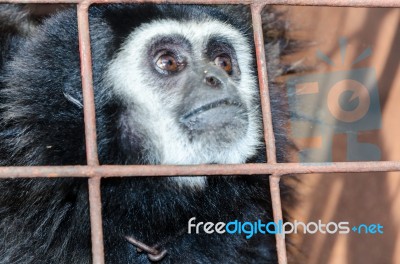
206	107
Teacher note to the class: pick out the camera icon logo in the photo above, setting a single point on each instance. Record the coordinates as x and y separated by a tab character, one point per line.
340	102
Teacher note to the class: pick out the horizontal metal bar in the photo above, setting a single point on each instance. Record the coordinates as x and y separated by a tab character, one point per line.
193	170
349	3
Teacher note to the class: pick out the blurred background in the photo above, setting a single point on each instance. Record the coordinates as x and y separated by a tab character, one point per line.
347	108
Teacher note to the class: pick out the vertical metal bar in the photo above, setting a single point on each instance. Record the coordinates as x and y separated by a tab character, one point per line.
277	210
269	136
90	133
263	82
87	85
96	223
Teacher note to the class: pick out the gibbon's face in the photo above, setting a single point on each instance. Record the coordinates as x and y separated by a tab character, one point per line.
189	91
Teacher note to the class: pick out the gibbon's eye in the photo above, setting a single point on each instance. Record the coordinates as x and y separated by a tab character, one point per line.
169	63
224	62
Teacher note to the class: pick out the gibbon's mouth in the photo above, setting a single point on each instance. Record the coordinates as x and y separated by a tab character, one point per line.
219	117
206	107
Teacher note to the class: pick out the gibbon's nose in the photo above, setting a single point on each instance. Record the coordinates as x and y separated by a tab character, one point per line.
212	81
214	78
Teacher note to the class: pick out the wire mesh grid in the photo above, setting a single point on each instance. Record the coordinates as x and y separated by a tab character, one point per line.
95	172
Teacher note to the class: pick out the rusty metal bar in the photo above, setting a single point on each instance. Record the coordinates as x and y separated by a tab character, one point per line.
269	135
277	211
195	170
90	133
87	86
263	82
349	3
96	221
152	253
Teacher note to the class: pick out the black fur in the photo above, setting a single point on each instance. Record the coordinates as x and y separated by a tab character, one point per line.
47	221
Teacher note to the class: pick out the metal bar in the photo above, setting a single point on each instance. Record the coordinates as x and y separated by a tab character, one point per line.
277	211
349	3
263	82
87	86
96	221
269	136
152	253
196	170
90	133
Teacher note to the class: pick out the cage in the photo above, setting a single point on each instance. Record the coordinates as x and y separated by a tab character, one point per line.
94	172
